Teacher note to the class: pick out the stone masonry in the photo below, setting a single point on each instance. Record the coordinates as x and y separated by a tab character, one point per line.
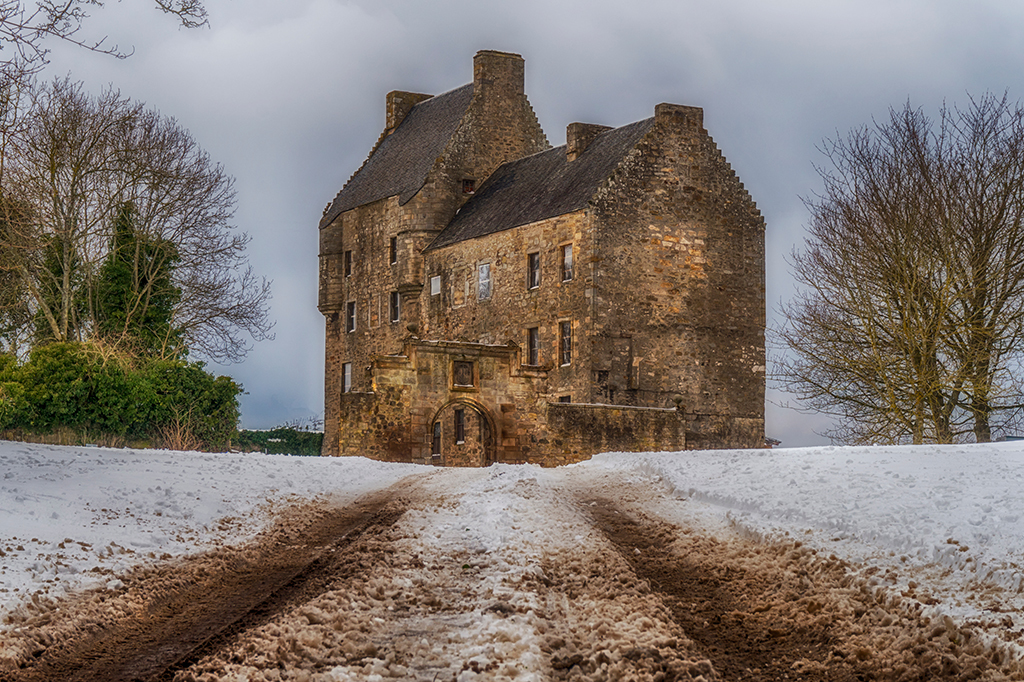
489	298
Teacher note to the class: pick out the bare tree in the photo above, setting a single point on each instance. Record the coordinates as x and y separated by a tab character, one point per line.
910	318
80	161
25	28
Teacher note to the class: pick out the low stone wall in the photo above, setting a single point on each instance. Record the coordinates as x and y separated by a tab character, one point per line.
576	432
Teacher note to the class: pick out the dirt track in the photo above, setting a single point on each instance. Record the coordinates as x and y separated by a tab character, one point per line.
386	588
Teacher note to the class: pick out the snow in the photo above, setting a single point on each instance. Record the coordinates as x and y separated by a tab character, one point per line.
70	518
945	521
951	515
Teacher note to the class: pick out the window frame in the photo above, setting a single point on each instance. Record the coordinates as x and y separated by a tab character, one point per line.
346	377
566	259
435	279
533	270
565	342
350	317
395	307
460	425
482	293
533	346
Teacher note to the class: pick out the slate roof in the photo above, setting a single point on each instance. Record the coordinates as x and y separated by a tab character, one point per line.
399	165
541	186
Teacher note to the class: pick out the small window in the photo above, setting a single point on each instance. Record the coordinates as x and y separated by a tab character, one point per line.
435	444
484	281
532	270
393	251
468	186
565	398
346	377
460	425
435	285
395	307
462	373
565	342
533	346
348	263
567	263
350	316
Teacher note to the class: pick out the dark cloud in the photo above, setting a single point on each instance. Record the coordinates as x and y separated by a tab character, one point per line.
289	96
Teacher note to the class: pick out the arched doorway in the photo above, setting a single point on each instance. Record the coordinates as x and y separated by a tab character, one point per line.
462	433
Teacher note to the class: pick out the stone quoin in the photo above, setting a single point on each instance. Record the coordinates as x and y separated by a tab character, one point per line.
489	298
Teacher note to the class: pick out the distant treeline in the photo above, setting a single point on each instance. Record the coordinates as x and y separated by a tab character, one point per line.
284	440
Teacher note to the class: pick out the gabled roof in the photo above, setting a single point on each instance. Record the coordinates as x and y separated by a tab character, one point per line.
400	163
541	186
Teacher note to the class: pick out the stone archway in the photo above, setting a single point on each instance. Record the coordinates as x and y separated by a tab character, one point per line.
462	433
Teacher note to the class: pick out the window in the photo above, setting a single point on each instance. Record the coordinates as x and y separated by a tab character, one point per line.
567	263
393	251
484	281
348	263
350	316
435	285
346	377
468	186
460	425
533	346
395	306
532	270
462	373
565	398
565	342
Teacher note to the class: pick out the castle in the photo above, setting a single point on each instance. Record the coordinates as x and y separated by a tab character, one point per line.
489	298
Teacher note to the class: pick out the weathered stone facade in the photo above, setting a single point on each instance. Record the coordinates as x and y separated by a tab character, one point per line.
490	299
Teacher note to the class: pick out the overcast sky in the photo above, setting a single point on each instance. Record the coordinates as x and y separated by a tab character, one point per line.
289	96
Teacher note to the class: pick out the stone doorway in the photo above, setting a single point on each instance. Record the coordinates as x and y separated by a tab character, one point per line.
462	434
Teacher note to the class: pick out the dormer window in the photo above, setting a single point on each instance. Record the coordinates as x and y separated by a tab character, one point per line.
468	186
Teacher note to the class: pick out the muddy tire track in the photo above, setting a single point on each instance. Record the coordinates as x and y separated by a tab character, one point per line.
170	616
780	612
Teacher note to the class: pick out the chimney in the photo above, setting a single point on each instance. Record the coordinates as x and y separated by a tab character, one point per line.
578	137
690	117
502	71
399	104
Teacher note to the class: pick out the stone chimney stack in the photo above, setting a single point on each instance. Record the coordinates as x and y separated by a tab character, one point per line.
500	71
399	104
578	137
690	117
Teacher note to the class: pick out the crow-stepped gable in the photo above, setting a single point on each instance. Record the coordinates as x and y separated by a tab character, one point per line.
489	298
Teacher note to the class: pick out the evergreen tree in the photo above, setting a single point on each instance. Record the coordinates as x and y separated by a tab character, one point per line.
135	294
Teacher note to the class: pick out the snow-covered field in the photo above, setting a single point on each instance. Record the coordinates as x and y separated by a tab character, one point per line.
943	524
71	518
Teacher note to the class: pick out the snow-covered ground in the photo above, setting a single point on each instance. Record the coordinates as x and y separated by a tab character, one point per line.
71	518
948	519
